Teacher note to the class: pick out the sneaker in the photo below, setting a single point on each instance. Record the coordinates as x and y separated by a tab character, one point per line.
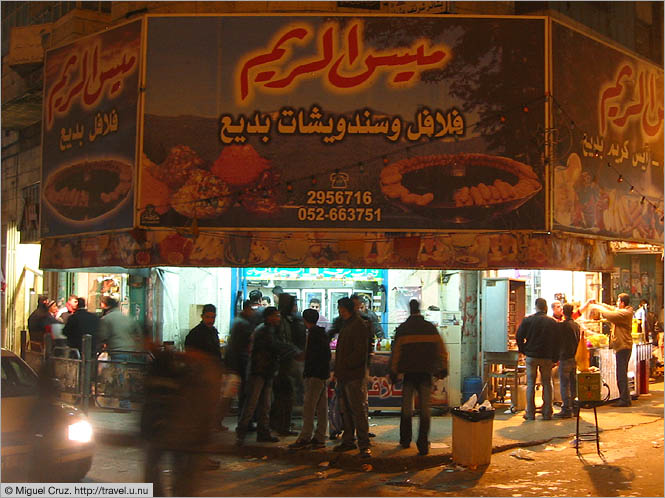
563	414
266	438
317	445
365	453
299	445
344	447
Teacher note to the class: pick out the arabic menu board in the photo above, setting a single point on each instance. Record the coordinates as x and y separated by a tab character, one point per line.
89	128
608	176
348	123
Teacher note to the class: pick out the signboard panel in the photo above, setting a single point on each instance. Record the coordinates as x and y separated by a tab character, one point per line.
89	133
344	123
608	177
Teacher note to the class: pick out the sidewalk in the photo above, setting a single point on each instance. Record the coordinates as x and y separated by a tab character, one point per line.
509	431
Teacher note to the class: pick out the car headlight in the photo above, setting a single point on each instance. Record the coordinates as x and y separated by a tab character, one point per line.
80	431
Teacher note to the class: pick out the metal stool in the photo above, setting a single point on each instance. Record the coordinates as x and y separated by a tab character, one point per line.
587	436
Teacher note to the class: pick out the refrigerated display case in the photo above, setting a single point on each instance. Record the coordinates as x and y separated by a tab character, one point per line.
502	309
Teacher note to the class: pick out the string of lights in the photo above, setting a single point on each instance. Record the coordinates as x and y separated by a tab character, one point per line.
622	178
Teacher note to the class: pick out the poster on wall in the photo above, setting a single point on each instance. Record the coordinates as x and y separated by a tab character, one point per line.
608	112
89	133
344	123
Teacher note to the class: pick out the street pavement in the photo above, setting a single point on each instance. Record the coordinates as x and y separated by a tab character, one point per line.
510	432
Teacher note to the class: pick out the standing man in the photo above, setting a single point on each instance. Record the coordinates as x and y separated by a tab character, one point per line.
569	337
419	352
366	313
79	323
37	323
557	311
536	339
265	352
68	309
315	304
621	340
316	373
204	338
237	356
350	370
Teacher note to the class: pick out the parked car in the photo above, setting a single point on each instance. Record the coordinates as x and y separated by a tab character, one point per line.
43	439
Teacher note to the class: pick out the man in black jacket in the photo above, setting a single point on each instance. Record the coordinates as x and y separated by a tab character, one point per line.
37	323
265	353
536	338
419	352
237	355
316	373
204	337
79	323
569	336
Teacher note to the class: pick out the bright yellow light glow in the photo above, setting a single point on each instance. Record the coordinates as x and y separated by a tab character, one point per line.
80	432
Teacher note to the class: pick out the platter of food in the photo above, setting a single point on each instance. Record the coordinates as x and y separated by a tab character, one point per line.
86	191
459	188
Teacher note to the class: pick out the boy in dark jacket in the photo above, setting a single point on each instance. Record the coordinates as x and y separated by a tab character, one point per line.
317	371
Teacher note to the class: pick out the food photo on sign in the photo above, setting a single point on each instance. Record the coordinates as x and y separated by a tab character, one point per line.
328	123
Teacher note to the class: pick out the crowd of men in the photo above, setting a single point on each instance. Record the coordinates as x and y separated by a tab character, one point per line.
546	340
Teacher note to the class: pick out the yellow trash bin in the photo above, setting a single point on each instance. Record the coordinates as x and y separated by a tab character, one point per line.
472	437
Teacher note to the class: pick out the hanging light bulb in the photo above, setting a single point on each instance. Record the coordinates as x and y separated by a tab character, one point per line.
620	179
632	189
643	199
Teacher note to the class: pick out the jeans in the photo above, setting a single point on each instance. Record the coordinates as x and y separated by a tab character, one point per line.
567	383
315	402
259	390
122	357
532	367
422	382
353	405
622	359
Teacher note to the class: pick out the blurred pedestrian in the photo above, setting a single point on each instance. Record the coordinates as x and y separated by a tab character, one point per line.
119	335
316	374
180	409
419	353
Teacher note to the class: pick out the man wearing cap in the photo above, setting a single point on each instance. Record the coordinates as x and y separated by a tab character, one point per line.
38	321
351	358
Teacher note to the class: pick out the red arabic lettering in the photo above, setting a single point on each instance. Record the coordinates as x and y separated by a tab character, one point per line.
617	106
276	54
652	109
90	84
415	59
310	67
57	87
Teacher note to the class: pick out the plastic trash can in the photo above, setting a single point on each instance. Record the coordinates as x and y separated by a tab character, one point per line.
472	437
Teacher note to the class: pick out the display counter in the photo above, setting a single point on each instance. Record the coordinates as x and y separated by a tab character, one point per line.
638	369
383	395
